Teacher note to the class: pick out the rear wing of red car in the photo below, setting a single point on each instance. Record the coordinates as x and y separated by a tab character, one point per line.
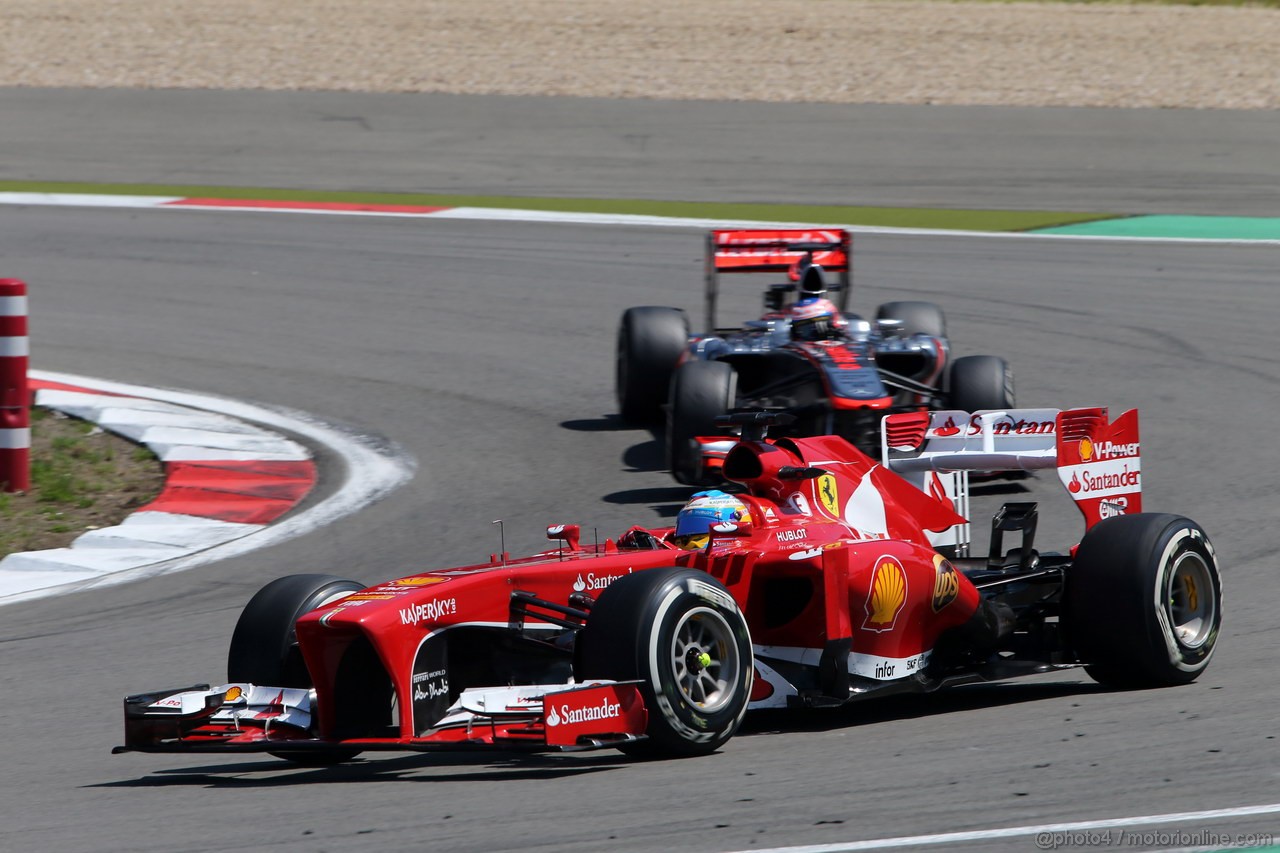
779	250
1098	461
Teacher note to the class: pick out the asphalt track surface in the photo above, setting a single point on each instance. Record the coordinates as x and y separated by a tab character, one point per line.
484	349
1068	159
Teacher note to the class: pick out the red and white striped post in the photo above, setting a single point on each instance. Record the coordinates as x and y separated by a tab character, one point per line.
15	414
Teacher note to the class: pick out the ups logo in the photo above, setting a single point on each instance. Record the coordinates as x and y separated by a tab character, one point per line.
946	583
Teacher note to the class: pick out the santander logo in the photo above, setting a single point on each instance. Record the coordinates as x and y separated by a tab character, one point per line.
1008	426
567	715
594	582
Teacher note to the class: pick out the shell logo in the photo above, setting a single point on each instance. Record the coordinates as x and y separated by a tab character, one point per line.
233	694
418	581
888	595
1086	449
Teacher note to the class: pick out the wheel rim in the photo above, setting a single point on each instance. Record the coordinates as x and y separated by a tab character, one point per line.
1191	600
705	659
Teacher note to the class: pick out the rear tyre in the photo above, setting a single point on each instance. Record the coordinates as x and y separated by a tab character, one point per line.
264	645
918	318
701	391
1144	601
680	633
980	382
651	340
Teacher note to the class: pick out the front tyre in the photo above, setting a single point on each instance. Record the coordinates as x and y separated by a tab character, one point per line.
980	382
1144	601
701	391
915	318
264	646
680	633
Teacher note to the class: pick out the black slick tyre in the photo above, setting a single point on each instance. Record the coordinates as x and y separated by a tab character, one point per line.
979	382
681	635
701	391
1143	601
264	645
651	340
916	318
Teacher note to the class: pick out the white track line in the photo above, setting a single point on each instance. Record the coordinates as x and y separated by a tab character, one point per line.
493	214
1047	831
373	470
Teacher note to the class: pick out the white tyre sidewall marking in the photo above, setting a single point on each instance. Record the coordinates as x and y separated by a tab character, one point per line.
658	651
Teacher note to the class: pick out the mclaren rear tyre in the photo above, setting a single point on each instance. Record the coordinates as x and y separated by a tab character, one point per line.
651	340
1144	601
979	382
681	635
701	391
916	318
264	645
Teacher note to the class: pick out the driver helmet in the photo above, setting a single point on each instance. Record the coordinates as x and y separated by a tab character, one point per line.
816	320
708	512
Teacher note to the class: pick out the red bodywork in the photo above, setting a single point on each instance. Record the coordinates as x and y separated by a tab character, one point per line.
879	586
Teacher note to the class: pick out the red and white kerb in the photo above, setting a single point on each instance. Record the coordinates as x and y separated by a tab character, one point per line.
15	416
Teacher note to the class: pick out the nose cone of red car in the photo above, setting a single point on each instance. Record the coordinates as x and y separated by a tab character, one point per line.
413	601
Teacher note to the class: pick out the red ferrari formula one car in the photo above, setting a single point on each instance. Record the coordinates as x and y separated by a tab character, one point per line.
830	577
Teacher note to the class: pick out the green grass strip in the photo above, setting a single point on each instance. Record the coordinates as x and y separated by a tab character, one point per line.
896	217
1185	227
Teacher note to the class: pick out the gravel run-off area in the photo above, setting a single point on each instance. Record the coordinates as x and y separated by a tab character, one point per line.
837	51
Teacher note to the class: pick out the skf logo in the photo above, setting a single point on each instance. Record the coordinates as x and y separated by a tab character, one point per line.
1086	450
946	583
888	595
828	494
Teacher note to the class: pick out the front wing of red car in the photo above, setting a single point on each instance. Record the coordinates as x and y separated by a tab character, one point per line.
255	718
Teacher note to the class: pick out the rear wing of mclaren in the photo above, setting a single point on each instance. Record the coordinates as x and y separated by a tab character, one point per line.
1098	461
780	250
